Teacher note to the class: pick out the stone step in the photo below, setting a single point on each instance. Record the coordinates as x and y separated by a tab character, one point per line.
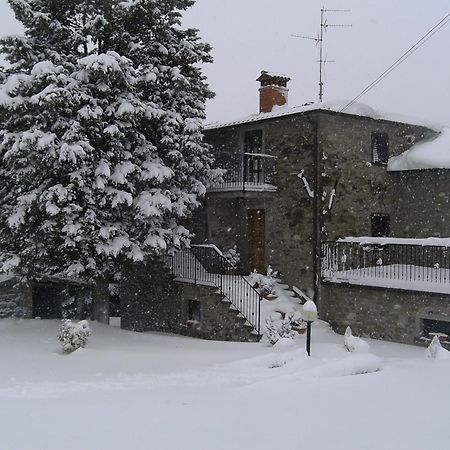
289	293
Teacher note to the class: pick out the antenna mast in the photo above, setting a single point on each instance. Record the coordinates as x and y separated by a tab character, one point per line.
319	41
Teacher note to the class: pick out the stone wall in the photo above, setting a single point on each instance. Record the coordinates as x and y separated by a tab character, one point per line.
380	313
361	186
149	299
218	320
152	301
15	300
419	202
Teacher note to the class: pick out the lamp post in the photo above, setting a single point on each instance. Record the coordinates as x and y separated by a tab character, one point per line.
309	315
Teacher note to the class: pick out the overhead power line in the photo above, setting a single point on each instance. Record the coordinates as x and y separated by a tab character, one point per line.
402	58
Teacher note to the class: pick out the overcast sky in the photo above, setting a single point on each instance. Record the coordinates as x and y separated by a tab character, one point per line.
250	35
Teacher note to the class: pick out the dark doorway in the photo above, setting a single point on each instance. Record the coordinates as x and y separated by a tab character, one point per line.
435	326
256	239
47	302
194	311
253	141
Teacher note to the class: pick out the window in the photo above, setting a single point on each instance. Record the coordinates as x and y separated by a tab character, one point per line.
440	328
380	225
380	148
194	313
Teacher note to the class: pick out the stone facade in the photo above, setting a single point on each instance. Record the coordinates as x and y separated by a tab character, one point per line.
380	313
334	152
419	203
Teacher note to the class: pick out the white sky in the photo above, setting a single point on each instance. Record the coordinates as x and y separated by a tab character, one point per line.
250	35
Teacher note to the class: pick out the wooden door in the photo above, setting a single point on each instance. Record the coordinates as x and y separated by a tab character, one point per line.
256	239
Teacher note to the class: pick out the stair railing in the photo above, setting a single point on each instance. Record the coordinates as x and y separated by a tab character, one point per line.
205	265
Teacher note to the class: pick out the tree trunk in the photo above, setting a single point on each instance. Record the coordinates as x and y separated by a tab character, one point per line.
100	301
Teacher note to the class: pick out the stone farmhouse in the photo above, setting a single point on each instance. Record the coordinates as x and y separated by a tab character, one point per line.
363	166
350	206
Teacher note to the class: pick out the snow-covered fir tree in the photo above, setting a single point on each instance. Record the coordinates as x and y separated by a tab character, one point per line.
102	159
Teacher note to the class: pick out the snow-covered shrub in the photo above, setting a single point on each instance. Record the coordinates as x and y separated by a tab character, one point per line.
265	283
278	329
232	256
436	351
355	344
296	321
73	335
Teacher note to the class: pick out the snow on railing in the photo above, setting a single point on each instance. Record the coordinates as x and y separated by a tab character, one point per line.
384	262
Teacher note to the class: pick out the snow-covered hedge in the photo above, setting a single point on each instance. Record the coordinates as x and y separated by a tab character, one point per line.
73	335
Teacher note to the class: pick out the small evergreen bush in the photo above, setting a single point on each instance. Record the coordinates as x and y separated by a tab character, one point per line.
73	335
278	329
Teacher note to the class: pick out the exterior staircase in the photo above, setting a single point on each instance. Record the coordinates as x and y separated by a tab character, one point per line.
205	266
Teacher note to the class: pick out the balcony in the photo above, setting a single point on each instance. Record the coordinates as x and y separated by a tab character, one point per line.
247	172
410	264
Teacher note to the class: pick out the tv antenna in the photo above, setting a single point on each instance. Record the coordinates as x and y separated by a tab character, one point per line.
324	25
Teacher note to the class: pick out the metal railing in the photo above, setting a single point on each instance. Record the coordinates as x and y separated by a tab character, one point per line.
246	171
205	265
415	265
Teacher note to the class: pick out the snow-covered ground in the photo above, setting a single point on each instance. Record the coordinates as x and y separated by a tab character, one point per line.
154	391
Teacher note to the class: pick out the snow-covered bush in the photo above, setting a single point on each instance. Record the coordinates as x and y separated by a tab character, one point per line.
355	344
73	335
232	256
265	284
436	351
278	329
296	321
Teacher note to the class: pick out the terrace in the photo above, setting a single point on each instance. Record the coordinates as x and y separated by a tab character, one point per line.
410	264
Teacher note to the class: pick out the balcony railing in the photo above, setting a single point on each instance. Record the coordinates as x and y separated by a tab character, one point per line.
247	172
411	266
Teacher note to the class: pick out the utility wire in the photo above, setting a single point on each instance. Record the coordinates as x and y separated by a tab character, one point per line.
402	58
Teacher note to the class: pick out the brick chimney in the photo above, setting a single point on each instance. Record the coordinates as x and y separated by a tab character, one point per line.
273	90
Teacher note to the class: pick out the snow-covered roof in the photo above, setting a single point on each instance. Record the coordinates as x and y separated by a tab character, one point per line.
428	154
357	109
270	74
